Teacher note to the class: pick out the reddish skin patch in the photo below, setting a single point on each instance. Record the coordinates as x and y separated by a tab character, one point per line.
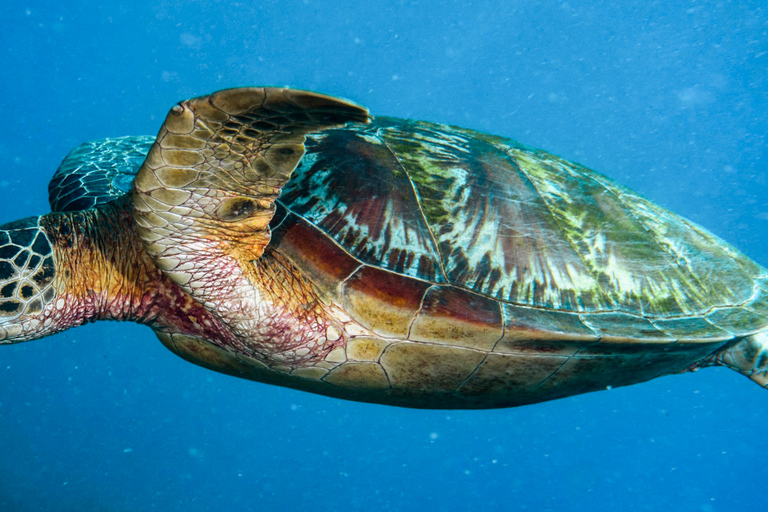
299	318
103	273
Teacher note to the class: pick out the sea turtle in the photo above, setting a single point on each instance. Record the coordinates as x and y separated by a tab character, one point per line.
285	237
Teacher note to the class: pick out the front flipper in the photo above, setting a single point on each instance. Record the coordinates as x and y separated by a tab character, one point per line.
204	197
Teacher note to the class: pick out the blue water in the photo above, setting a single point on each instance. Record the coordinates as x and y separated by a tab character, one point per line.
669	98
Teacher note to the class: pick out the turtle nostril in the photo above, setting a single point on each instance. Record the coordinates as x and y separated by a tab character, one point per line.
236	209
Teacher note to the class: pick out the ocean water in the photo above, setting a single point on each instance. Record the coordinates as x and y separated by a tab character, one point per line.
669	98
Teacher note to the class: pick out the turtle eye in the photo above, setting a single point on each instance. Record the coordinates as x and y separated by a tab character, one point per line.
236	209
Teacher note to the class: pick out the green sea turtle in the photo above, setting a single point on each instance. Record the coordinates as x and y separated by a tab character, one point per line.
282	236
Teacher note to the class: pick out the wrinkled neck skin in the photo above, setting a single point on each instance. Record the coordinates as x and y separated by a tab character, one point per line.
102	274
98	271
271	311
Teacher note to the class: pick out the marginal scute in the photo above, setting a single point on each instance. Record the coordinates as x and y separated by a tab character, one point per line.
419	368
324	262
359	376
253	363
737	320
692	329
452	316
365	349
758	303
337	355
382	301
313	373
524	324
508	377
605	365
623	326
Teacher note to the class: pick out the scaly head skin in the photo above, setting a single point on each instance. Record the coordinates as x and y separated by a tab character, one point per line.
27	281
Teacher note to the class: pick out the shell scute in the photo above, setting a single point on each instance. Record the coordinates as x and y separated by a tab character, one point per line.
508	377
420	368
323	260
359	376
737	320
618	326
383	301
363	348
450	315
691	329
526	328
354	190
494	232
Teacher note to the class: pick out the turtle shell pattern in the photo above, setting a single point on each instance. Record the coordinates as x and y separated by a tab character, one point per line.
441	221
486	253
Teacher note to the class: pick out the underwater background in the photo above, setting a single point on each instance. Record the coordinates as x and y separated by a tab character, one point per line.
669	98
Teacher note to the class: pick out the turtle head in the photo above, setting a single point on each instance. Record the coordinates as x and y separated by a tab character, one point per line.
27	291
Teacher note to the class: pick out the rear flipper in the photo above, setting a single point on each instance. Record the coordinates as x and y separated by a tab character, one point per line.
748	356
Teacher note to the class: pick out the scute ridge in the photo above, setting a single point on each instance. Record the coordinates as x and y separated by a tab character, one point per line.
559	226
417	199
